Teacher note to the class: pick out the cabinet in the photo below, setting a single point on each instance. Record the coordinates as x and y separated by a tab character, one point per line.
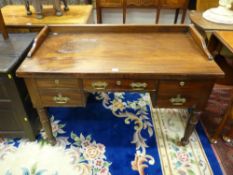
17	117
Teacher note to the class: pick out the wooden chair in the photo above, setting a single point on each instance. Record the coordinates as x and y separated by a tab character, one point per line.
3	27
157	4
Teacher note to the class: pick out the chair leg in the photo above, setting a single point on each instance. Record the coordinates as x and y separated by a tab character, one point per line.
183	16
157	15
176	15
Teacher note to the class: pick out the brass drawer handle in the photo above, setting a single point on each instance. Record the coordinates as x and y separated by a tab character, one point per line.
99	85
59	99
178	100
138	86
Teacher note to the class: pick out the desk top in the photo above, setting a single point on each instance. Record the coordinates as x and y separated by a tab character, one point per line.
119	50
12	50
197	19
15	15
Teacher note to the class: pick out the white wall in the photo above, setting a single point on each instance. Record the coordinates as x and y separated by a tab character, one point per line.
138	16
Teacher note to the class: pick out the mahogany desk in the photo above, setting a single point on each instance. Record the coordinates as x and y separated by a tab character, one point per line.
170	62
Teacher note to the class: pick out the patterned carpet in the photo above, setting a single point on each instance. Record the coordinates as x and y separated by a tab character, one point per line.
212	116
115	135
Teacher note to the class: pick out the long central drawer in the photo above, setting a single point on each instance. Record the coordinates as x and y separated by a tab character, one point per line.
119	85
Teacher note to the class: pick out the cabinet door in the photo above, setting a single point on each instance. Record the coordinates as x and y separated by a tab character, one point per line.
3	89
9	118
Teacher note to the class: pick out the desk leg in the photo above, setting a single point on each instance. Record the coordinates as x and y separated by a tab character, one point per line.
191	124
46	125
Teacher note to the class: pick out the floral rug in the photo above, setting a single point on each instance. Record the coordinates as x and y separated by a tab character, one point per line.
113	135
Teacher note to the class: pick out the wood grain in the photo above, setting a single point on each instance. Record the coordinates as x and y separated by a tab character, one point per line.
120	53
15	16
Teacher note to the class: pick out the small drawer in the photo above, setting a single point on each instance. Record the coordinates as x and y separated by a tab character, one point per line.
119	85
58	83
54	97
183	93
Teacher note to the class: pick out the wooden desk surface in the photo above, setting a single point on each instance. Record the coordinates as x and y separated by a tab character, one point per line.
15	15
120	52
197	19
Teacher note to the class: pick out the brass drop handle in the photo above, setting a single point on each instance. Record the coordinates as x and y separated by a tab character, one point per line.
59	99
178	100
99	85
138	86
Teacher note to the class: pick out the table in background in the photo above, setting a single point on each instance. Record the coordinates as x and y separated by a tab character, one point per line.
206	27
16	18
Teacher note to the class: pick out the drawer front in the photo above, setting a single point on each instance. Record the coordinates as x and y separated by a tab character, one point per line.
3	88
58	83
54	97
183	93
119	85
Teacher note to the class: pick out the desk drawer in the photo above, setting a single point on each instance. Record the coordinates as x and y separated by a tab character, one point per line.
58	83
54	97
183	93
119	85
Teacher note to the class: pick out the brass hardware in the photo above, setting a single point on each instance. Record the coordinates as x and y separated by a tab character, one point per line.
25	119
9	76
182	83
178	100
56	82
118	83
138	86
59	99
99	85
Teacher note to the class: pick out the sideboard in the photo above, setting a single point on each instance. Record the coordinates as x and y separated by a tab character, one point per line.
171	63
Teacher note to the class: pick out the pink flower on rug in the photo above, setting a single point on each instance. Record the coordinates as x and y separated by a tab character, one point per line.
103	171
183	157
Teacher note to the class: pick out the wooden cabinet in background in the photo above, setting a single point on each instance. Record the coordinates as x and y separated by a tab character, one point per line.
17	117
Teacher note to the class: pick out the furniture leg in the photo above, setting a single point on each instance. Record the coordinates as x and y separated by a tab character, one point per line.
27	7
98	12
46	125
38	8
183	16
66	8
57	7
124	11
221	126
157	15
3	27
191	124
176	15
